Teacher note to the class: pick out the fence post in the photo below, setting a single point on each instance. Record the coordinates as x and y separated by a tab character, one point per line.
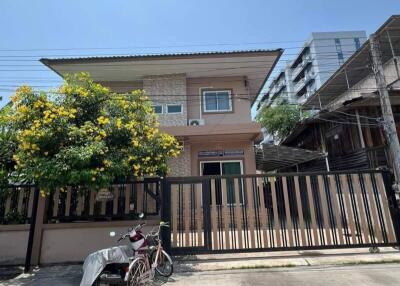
166	213
392	202
32	227
206	186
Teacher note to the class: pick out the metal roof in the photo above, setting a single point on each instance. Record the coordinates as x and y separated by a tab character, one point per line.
47	61
135	67
274	157
358	66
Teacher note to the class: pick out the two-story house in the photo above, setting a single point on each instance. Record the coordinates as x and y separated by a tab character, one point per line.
203	99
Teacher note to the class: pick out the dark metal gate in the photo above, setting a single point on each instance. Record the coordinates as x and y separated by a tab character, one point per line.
293	211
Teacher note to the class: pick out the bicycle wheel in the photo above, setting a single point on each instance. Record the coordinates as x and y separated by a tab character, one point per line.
165	265
137	272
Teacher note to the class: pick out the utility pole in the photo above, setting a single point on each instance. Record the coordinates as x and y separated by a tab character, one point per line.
387	113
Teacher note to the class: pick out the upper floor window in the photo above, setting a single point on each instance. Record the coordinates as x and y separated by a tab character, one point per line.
217	101
174	108
158	109
339	51
357	43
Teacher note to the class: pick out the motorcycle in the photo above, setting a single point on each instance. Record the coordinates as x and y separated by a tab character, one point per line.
114	266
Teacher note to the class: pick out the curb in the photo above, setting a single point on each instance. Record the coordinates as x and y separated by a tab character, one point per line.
185	267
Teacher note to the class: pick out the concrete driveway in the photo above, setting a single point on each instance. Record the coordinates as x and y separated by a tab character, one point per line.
377	274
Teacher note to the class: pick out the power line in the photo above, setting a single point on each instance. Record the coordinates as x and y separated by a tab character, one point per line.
172	46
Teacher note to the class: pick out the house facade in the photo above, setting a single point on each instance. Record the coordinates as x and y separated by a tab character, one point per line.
203	99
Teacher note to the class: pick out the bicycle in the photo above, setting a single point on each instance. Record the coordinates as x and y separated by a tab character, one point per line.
150	260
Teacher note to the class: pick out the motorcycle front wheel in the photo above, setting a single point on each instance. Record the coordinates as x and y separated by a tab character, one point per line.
165	265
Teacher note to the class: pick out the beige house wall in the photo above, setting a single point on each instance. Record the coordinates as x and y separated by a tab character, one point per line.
240	100
122	86
248	159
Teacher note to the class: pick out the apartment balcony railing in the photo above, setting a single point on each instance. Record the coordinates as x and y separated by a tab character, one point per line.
304	97
303	82
307	60
277	88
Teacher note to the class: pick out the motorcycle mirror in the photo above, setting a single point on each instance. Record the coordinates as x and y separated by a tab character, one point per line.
112	233
141	215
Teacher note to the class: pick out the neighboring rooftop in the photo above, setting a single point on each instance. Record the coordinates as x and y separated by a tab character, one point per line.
358	65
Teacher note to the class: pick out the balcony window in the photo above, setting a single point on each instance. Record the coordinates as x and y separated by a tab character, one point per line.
158	109
357	43
217	101
174	108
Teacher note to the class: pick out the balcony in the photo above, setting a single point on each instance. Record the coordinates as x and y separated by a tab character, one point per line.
300	68
277	88
304	97
301	84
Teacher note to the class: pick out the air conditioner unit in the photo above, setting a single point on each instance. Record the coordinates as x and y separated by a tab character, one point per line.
196	122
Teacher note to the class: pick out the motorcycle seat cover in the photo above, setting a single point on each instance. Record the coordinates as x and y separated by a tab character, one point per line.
96	261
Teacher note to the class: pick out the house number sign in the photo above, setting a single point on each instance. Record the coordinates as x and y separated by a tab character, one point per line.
221	153
104	195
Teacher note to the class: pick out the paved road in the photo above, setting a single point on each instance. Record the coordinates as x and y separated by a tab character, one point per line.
381	274
348	275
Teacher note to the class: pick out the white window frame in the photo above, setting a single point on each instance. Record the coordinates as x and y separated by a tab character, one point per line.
220	168
159	105
174	104
217	110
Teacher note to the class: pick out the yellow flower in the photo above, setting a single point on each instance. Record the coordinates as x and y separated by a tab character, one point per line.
119	123
103	120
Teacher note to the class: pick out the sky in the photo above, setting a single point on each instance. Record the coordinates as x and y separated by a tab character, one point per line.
33	29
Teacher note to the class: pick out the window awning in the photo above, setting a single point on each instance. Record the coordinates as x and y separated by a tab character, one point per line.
273	157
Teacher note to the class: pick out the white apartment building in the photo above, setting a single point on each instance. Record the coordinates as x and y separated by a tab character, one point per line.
321	55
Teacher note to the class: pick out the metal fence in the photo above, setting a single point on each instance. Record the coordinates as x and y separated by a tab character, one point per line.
16	204
128	199
71	204
280	212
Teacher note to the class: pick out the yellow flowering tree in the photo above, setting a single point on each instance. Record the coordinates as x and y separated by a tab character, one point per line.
84	135
8	145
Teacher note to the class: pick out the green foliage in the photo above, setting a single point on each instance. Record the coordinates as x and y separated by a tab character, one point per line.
8	145
14	217
86	136
279	120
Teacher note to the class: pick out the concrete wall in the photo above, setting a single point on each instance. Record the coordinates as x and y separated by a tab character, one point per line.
72	242
64	242
13	244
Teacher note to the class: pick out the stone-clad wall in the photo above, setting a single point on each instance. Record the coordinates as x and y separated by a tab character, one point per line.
181	166
168	89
